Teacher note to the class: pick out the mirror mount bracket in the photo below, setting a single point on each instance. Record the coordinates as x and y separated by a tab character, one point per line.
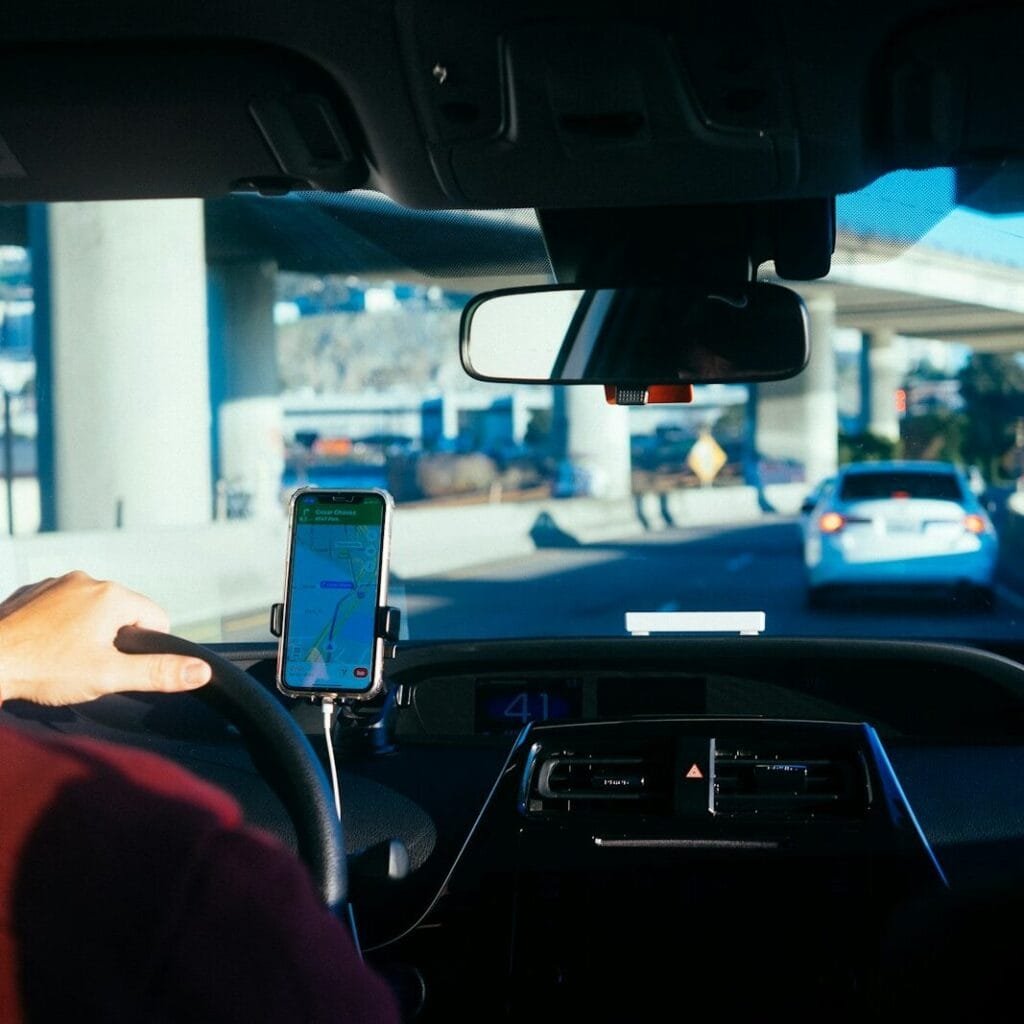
717	244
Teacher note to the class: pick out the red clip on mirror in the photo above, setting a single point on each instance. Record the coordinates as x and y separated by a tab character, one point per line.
654	394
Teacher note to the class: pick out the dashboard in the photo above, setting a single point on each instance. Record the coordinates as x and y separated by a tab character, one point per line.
766	805
904	689
653	811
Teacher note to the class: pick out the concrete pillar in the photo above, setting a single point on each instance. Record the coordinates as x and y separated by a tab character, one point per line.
520	414
449	417
885	370
124	353
798	419
245	387
597	441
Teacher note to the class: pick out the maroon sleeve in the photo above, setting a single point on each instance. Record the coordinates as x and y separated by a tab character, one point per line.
133	891
290	959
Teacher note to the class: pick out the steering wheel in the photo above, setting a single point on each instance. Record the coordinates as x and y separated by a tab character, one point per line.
280	751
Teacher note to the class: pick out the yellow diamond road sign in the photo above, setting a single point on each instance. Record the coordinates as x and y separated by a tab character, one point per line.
706	458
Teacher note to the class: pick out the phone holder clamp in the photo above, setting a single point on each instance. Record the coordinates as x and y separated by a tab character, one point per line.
388	625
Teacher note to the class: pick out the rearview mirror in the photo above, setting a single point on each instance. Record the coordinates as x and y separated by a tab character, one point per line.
639	335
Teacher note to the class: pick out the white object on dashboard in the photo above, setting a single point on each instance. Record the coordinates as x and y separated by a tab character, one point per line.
744	623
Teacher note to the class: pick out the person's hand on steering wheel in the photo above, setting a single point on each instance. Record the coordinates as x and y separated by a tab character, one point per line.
57	644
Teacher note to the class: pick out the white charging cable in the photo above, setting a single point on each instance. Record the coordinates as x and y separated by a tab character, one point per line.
328	708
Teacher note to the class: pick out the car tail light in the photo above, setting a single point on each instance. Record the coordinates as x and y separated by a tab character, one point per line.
831	522
974	523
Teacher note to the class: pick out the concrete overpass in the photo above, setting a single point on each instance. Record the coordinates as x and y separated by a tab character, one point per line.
907	268
921	293
195	287
185	290
209	285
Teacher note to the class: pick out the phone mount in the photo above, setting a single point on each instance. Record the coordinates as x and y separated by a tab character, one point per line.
388	624
367	727
387	627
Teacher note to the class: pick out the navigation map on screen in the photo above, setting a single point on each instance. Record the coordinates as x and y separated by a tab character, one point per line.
335	572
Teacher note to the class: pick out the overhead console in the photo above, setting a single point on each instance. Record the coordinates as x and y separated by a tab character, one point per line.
533	109
560	106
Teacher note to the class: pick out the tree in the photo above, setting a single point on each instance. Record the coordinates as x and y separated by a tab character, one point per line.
867	448
992	388
938	434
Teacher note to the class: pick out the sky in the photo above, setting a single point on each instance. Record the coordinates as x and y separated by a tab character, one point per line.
920	206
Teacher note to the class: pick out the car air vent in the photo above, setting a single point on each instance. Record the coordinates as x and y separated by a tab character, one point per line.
619	783
749	782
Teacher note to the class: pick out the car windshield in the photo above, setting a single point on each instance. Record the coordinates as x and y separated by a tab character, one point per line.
173	370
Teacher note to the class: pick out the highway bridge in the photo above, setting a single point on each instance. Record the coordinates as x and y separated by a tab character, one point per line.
195	289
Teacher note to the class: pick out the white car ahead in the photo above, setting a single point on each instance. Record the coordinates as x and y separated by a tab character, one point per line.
890	527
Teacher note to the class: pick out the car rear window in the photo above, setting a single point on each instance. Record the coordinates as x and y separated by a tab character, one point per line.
862	486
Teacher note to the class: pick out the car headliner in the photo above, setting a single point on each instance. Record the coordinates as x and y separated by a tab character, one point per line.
454	104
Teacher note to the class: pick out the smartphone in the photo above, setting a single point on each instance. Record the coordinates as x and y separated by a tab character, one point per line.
336	580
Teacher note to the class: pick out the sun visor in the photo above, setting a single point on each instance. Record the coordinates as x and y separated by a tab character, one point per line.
118	122
947	85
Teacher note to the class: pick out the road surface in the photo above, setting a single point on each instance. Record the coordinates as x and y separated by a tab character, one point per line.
580	591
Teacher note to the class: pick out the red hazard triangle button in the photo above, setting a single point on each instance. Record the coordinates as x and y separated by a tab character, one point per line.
695	772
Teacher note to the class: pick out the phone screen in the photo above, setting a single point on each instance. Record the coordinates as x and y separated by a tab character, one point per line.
334	580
